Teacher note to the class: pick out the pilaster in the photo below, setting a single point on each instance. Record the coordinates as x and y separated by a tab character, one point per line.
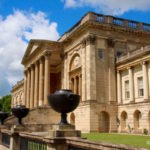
145	80
83	61
119	87
131	84
90	68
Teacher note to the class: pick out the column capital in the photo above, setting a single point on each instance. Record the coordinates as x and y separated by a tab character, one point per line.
83	43
41	59
144	62
110	42
25	71
28	68
129	67
118	71
36	62
91	39
31	66
47	54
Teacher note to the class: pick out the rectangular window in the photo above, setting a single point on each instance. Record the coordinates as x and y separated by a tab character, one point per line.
100	53
127	92
140	87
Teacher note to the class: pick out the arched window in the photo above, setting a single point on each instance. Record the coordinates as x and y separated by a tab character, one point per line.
75	74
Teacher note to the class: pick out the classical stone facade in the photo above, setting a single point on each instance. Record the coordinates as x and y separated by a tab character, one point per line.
104	59
17	94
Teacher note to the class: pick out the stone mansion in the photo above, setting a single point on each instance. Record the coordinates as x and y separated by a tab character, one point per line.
104	59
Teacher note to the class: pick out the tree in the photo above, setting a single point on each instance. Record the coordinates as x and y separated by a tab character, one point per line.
5	103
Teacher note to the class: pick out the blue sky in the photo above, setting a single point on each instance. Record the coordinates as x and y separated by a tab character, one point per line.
21	20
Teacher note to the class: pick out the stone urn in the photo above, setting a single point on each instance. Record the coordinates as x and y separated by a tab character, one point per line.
3	116
64	101
20	111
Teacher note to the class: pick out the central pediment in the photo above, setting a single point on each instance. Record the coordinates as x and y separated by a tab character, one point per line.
40	45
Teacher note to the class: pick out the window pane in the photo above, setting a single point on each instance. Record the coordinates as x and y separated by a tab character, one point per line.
140	86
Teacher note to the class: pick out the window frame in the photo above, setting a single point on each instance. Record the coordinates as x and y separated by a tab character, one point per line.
140	90
127	92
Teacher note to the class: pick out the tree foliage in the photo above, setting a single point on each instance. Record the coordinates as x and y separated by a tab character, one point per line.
5	103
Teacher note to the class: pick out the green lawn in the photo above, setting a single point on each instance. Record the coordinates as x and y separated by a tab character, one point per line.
131	140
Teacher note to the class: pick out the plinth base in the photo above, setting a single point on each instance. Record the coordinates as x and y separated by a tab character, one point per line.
64	131
17	128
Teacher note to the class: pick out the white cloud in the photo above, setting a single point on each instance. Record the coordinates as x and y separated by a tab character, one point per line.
15	31
115	7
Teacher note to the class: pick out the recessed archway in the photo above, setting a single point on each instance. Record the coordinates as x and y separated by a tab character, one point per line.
123	121
104	122
136	116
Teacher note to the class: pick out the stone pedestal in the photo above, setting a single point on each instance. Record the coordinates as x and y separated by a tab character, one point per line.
64	131
58	134
2	127
14	138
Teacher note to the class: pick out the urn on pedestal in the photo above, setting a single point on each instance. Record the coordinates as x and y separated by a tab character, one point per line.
3	116
20	111
64	101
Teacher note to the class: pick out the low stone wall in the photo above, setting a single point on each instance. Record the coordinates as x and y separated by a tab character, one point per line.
75	143
58	143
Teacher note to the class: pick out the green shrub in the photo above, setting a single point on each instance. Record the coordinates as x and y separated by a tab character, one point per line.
145	131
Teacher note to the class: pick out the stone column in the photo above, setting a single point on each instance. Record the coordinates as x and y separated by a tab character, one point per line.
25	88
145	80
32	87
36	85
28	88
131	84
75	85
90	68
46	78
83	61
41	83
119	87
80	85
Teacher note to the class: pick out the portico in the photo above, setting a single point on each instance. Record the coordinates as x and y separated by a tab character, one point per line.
39	72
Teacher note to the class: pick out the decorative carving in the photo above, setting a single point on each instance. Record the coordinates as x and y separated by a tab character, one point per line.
91	39
76	62
47	54
63	56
